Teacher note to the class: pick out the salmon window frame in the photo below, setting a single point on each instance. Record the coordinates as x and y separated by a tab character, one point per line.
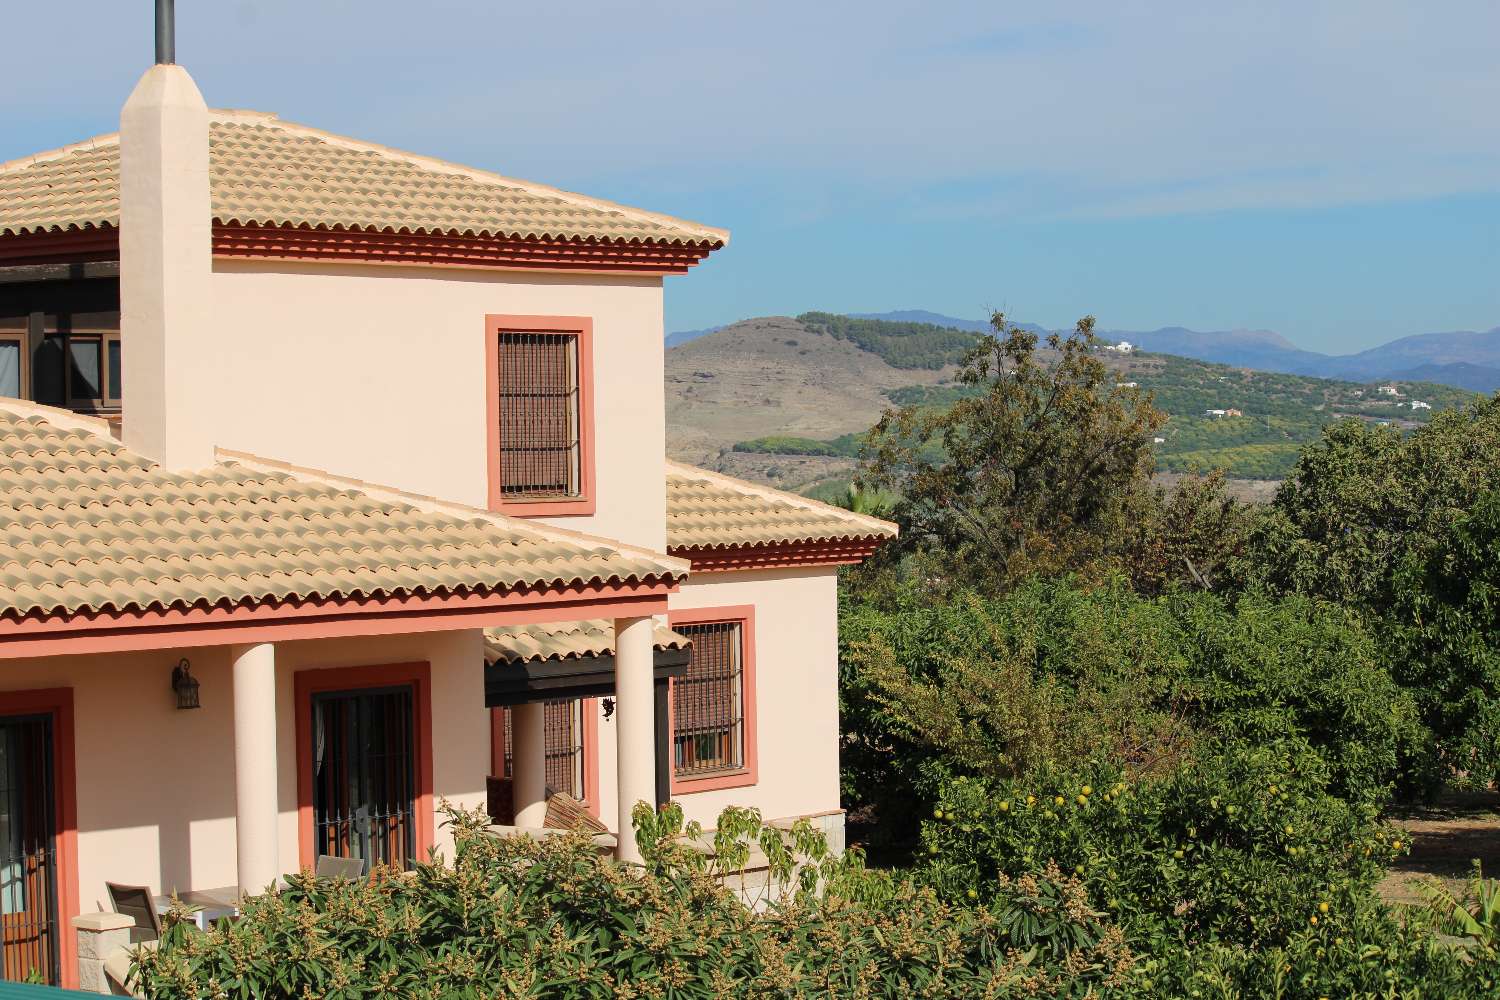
539	378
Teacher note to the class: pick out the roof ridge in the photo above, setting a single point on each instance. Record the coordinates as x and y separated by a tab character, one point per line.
377	491
46	155
796	500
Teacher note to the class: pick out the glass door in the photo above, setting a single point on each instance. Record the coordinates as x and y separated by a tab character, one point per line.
28	850
364	775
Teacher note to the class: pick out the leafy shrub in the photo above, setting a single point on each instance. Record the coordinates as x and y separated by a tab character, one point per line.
1237	846
1051	674
1238	875
518	918
1444	622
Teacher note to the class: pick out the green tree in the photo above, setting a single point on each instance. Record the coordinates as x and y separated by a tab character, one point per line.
1035	472
1446	617
1188	535
1363	498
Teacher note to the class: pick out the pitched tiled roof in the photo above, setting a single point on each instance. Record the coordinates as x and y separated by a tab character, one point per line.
86	524
706	510
566	640
268	172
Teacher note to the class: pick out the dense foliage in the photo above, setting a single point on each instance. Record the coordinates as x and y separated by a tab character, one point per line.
900	345
1051	674
1203	720
1363	498
513	917
1033	473
844	446
1211	770
1445	626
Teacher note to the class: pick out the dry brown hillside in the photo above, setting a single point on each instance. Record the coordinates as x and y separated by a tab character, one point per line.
773	375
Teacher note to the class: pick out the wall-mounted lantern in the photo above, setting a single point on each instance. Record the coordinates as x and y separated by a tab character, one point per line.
609	708
185	685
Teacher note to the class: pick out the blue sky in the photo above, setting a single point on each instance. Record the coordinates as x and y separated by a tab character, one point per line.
1328	170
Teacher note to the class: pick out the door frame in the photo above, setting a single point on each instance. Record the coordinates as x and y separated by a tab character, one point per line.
320	681
58	703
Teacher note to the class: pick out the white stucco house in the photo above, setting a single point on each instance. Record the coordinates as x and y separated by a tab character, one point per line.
333	484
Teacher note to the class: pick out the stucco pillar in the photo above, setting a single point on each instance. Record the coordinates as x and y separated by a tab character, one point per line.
256	808
635	727
528	763
169	362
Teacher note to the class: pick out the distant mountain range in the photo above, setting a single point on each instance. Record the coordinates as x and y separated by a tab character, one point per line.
1463	359
683	336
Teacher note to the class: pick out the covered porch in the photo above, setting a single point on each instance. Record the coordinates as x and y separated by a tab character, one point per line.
549	689
335	634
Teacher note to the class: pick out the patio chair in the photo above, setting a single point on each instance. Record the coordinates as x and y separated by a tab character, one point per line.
136	902
335	869
564	812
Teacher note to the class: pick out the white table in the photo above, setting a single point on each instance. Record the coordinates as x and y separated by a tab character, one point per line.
209	904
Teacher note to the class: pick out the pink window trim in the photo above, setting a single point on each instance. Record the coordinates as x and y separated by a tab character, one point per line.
583	328
744	614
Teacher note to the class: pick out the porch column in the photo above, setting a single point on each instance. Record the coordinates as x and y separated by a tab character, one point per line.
635	730
528	763
256	809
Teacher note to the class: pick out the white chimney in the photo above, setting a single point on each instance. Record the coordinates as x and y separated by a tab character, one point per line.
168	356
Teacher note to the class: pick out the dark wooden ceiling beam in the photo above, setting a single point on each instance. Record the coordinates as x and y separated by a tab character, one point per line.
17	273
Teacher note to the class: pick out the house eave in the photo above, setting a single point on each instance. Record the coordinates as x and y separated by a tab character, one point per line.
94	632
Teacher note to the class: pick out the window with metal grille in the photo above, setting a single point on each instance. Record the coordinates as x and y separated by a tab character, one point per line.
541	447
708	702
563	729
364	775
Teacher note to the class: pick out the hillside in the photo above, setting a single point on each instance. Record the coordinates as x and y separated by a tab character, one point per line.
769	376
784	400
1462	359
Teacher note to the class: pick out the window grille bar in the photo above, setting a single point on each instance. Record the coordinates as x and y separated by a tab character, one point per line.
563	728
708	702
540	443
365	776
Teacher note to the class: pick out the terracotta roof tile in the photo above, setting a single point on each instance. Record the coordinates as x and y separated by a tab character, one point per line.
706	510
567	640
269	172
87	525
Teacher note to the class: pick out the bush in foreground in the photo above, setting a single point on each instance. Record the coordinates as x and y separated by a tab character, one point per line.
517	918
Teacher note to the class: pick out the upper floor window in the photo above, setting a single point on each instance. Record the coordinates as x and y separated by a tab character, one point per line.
713	704
60	343
541	414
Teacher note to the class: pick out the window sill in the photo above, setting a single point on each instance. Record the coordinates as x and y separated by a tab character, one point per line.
545	508
742	778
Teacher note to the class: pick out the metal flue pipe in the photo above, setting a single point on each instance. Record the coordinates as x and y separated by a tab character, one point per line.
166	32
